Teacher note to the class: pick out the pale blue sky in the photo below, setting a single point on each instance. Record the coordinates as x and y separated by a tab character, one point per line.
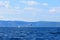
30	10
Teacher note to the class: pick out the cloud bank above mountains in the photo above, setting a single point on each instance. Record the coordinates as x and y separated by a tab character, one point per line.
30	10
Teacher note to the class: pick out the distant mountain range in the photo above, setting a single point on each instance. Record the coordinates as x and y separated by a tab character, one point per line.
29	24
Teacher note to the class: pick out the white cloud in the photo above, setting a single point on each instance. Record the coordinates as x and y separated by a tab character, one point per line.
58	9
17	6
15	19
29	8
33	11
32	8
4	4
45	4
54	10
30	2
1	17
10	11
1	3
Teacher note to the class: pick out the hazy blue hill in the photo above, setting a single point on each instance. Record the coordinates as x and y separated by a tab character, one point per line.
29	24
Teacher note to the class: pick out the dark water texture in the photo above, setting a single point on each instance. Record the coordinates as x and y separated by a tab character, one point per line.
30	33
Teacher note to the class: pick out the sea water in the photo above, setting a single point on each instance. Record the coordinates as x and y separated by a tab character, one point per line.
30	33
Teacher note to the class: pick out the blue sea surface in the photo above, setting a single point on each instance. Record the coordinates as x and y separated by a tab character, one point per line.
29	33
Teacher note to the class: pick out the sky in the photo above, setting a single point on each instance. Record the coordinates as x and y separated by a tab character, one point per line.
30	10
